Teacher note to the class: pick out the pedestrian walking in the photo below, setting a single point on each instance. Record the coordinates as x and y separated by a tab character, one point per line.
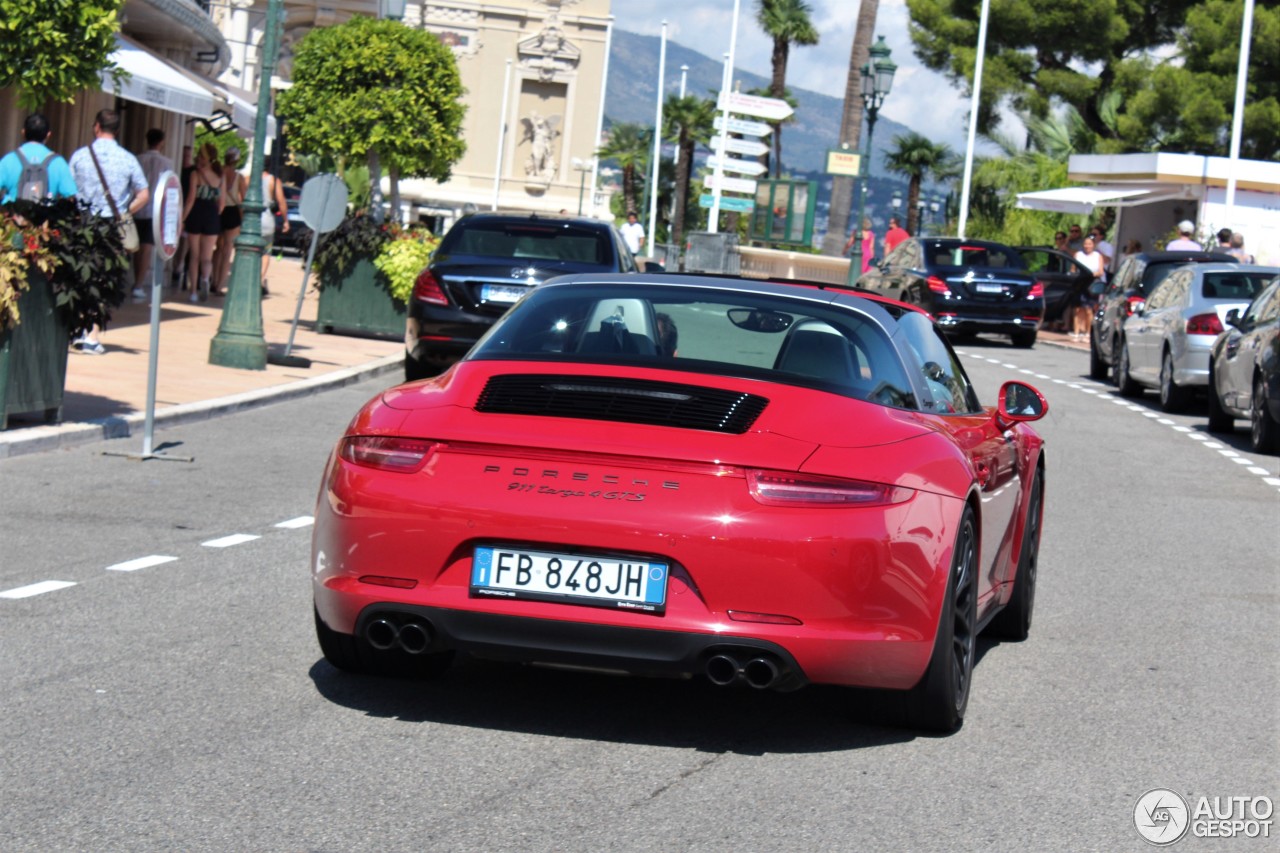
154	164
1236	249
231	219
273	199
1082	315
1185	241
633	234
895	235
202	219
868	245
110	181
32	171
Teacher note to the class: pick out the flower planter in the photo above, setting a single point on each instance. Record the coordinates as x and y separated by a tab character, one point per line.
359	303
33	356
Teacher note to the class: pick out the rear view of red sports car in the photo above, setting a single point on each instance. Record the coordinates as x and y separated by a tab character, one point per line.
760	484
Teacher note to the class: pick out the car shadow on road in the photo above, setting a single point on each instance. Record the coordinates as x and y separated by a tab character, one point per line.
682	713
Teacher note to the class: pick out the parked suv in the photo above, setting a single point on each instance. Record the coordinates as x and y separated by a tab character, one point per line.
484	264
968	286
1135	279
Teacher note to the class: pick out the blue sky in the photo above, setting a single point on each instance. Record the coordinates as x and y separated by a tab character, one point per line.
921	99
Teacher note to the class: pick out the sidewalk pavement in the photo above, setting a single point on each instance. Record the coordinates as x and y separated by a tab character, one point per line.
106	395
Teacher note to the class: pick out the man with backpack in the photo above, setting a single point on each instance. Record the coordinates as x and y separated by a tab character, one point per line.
32	171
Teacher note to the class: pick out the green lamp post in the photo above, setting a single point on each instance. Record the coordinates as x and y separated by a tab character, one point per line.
239	341
877	79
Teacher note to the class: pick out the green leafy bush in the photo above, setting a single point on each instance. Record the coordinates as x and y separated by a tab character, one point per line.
403	257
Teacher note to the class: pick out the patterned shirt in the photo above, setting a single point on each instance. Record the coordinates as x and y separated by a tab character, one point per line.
124	176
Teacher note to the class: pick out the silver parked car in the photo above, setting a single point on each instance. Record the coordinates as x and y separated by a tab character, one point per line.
1165	344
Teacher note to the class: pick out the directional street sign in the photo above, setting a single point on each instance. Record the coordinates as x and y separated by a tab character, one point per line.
749	147
773	109
728	184
746	128
737	205
733	164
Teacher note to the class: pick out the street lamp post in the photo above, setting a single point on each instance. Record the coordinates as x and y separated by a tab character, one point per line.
877	79
239	341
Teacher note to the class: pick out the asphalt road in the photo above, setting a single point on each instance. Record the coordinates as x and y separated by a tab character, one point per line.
184	704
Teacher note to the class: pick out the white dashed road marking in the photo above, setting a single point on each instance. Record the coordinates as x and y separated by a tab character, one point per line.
300	521
228	541
35	589
140	563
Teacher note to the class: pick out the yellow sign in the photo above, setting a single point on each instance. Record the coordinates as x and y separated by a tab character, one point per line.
843	163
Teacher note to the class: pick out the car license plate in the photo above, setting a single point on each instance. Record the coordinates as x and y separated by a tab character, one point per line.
989	288
501	293
594	580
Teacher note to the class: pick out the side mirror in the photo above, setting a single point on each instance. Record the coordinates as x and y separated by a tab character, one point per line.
1233	317
1019	402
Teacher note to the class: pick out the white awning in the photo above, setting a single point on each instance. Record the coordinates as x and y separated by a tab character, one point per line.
1085	199
244	109
157	82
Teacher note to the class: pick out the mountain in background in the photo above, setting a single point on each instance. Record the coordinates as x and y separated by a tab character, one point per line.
631	92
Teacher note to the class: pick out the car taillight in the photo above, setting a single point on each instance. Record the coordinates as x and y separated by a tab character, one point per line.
1204	324
1036	291
387	452
1131	302
776	488
426	288
937	285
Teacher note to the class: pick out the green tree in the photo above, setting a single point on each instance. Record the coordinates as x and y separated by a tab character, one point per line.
377	90
686	121
629	145
52	51
916	157
786	22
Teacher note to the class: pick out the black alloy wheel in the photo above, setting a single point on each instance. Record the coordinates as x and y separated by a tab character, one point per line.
1173	397
1024	340
1124	381
939	701
1014	621
1219	420
1264	432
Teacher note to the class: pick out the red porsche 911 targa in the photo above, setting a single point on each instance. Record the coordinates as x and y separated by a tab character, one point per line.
768	484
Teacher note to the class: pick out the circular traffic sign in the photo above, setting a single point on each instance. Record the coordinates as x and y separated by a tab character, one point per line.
323	205
166	214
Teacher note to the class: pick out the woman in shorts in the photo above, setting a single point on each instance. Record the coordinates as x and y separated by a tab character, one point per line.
202	220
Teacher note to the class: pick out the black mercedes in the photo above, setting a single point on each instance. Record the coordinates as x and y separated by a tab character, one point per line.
484	264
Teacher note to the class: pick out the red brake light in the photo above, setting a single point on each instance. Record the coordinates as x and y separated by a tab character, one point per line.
1132	301
1037	291
937	285
1204	324
387	452
426	288
776	488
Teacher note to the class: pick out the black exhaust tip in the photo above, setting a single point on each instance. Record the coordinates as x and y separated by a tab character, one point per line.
722	670
761	673
415	638
382	634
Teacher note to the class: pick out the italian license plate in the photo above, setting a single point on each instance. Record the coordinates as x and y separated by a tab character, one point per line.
501	293
597	581
989	288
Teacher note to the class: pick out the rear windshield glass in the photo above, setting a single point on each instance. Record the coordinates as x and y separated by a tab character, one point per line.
706	331
536	241
956	254
1240	286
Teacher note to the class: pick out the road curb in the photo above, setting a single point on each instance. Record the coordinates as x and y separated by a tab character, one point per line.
42	438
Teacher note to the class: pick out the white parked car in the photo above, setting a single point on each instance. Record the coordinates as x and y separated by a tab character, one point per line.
1166	342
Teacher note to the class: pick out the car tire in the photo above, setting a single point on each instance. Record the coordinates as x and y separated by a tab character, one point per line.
1219	420
939	701
424	368
1097	367
340	650
1124	381
1264	432
1173	397
1024	340
1014	621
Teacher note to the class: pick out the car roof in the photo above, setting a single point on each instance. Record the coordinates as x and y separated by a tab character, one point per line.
1194	255
1215	266
533	216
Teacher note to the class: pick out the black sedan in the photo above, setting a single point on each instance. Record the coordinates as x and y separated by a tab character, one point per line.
969	286
484	265
1244	372
1137	276
1064	278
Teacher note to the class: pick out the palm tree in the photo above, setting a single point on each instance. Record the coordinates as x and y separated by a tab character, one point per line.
850	125
686	121
916	157
628	146
787	23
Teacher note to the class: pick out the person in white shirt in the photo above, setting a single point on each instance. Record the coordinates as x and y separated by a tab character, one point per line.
1082	313
1184	243
1102	247
633	234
